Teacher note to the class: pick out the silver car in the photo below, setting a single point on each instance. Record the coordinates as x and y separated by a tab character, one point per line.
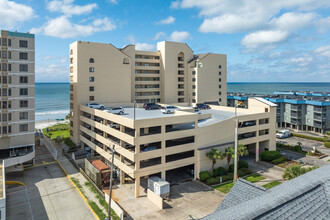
116	110
95	105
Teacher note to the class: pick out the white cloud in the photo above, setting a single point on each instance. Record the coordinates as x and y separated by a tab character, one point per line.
61	27
168	20
144	46
159	35
68	8
130	39
175	4
293	21
113	1
260	38
179	36
12	13
323	51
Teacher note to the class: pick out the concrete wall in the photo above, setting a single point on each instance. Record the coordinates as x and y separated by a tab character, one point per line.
157	200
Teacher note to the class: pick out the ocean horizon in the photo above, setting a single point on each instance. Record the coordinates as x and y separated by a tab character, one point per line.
53	98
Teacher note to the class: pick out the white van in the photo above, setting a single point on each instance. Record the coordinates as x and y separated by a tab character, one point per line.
283	134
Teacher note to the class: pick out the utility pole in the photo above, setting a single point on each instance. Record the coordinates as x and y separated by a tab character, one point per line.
236	144
111	175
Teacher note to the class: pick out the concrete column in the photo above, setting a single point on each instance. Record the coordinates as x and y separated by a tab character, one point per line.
195	171
137	187
163	175
92	152
257	151
137	132
163	129
146	130
122	177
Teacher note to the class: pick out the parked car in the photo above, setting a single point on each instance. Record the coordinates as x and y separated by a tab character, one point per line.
283	134
149	149
95	105
116	110
202	106
197	111
114	125
169	109
151	106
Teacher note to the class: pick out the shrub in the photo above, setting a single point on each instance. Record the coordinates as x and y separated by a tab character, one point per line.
220	171
227	177
213	180
295	170
204	175
308	137
270	155
327	144
243	164
297	148
243	172
69	143
231	168
279	160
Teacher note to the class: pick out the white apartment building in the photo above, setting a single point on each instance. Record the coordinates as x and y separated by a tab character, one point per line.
17	97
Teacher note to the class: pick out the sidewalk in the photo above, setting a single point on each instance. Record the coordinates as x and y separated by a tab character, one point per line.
79	179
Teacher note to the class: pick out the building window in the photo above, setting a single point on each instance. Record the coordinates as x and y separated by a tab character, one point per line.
126	61
193	100
9	67
4	41
91	69
4	67
194	94
4	54
71	69
91	60
194	79
4	104
219	79
220	100
23	91
9	54
91	79
194	72
4	79
23	127
23	43
23	56
9	42
23	103
91	88
4	117
91	98
219	66
4	130
71	60
23	115
71	52
219	93
23	67
219	86
9	129
219	73
23	79
193	86
4	92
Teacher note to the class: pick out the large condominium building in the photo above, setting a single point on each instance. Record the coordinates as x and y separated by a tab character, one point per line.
301	111
148	142
103	73
16	97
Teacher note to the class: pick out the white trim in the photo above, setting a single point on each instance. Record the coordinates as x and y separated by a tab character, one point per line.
20	49
20	86
19	122
21	109
19	61
21	74
13	135
265	101
25	145
23	97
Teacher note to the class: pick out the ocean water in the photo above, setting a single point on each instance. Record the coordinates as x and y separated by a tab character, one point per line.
53	99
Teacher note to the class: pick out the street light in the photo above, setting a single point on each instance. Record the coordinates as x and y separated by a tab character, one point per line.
236	144
111	175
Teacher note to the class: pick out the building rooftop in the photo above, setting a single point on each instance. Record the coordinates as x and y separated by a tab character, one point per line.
304	197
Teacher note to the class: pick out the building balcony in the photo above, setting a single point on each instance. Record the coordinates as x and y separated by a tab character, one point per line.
18	156
320	118
144	60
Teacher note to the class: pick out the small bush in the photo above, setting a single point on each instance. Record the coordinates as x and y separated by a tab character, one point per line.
204	175
308	137
231	168
220	171
213	180
295	170
243	164
270	155
69	143
244	171
227	177
327	144
282	159
297	148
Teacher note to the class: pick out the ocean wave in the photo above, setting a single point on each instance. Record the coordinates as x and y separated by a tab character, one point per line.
53	112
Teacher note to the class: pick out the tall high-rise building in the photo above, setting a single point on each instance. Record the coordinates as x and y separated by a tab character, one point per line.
17	98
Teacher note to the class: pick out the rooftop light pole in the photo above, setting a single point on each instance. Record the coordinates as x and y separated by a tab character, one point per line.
134	109
111	176
236	145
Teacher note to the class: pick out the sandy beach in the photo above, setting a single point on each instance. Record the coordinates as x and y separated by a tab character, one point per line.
46	123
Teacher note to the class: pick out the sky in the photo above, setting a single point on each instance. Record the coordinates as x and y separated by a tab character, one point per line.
265	41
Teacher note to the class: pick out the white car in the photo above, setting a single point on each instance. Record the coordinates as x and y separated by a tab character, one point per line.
95	105
169	109
116	110
197	111
114	125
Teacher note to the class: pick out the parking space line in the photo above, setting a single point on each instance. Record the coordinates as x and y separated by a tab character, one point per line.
80	193
38	165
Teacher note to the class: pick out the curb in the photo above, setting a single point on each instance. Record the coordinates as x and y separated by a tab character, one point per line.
82	196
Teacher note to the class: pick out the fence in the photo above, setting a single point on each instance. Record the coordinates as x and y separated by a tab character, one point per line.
50	147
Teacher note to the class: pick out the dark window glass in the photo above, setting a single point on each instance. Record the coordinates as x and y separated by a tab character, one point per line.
23	43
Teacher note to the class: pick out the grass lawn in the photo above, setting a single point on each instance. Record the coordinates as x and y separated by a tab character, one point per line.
62	130
254	178
224	188
271	184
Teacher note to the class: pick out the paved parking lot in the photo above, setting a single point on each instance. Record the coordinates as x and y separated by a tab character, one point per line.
48	194
188	200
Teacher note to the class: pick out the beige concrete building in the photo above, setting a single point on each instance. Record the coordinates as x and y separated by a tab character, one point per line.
17	97
150	142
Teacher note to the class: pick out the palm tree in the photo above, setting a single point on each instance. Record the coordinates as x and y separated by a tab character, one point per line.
242	151
229	153
214	155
